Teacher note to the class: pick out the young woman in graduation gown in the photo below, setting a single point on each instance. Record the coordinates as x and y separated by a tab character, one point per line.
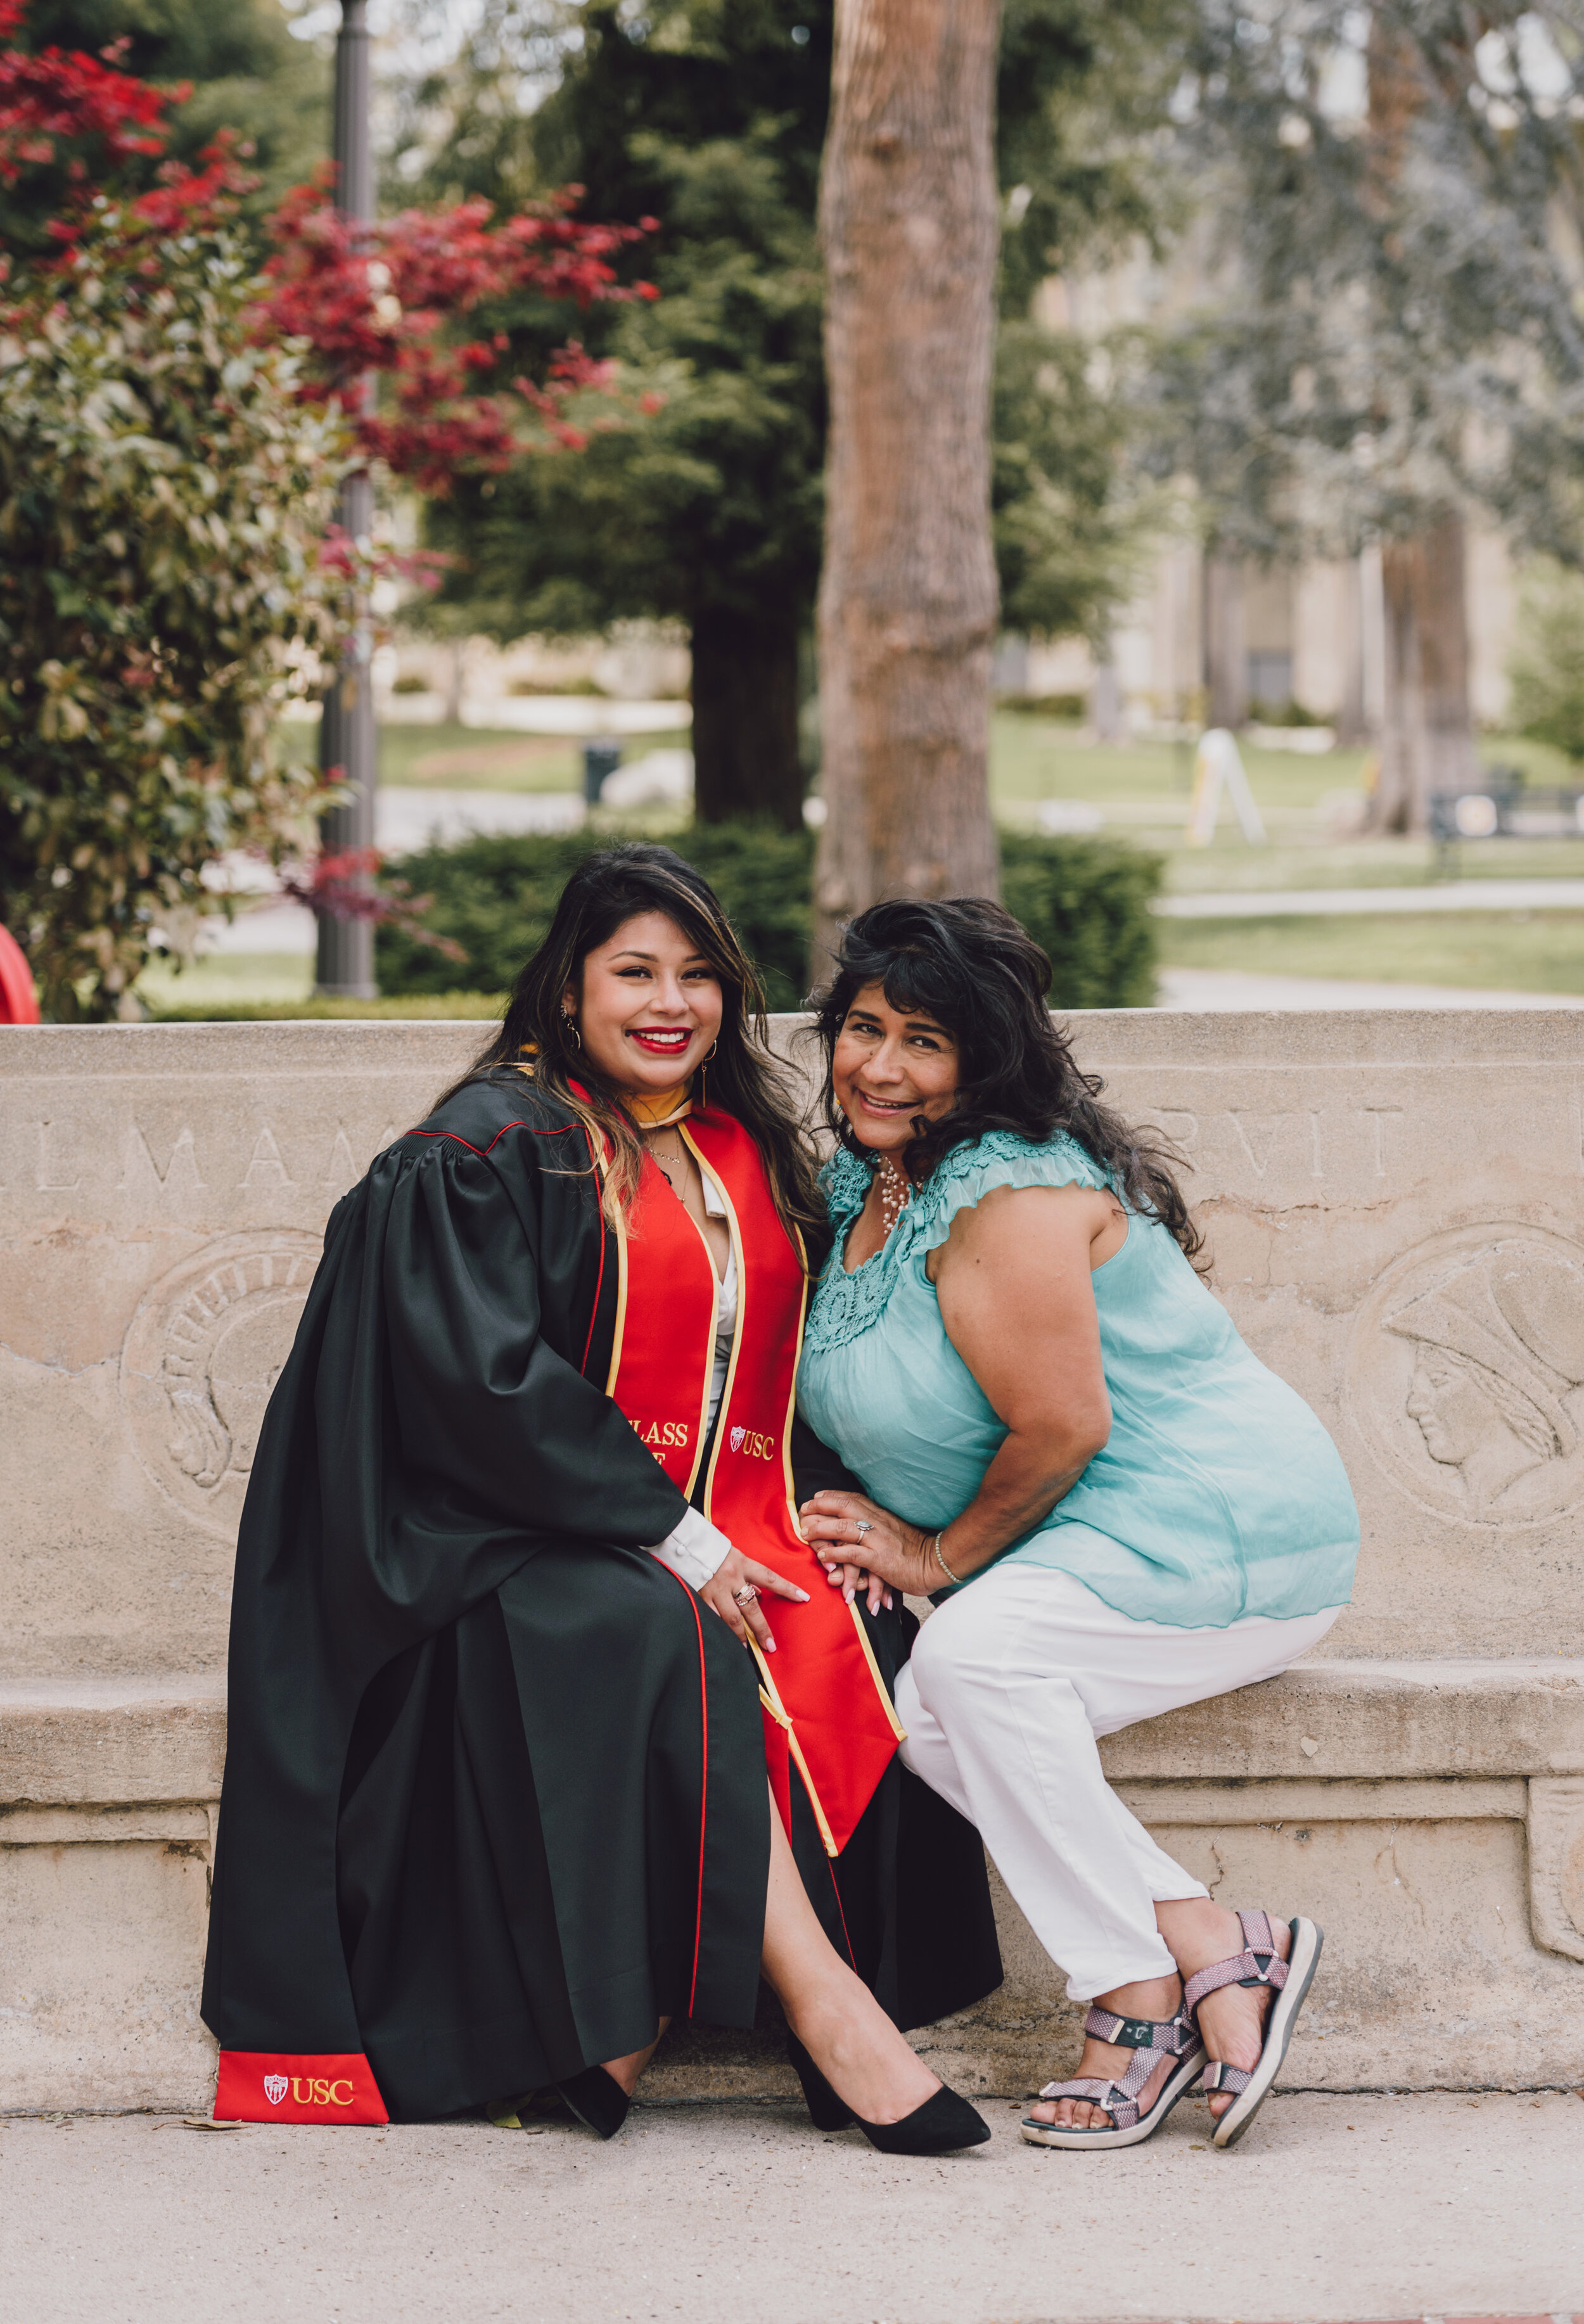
523	1621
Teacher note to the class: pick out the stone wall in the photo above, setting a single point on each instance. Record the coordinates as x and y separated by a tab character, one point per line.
1392	1202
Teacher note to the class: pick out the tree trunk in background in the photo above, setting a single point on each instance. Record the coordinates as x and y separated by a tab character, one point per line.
908	216
745	755
1427	742
1351	722
1427	726
1226	643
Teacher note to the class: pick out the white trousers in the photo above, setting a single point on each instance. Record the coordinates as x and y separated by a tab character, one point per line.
1009	1684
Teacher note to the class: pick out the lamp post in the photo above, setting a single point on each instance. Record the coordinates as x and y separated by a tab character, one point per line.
346	963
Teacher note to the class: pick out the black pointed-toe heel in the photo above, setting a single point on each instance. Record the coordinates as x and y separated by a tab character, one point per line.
826	2110
942	2124
599	2101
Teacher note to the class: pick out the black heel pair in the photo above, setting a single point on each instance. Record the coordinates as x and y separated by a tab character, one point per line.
942	2124
597	2100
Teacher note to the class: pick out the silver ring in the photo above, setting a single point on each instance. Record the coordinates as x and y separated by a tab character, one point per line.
745	1596
864	1525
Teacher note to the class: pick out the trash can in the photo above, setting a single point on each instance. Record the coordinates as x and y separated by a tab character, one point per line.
600	759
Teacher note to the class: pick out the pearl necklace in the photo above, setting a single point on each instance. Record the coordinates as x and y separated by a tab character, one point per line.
895	1195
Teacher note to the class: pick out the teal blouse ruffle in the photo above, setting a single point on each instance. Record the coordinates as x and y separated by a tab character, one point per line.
1219	1494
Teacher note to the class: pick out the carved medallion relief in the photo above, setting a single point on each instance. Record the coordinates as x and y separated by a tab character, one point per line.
200	1358
1465	1374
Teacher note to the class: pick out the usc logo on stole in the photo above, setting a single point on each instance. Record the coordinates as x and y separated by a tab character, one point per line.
755	1445
257	2085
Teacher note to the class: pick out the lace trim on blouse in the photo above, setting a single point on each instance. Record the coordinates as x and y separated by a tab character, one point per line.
847	1304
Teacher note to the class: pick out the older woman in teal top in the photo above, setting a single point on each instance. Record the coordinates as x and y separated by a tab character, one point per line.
1060	1431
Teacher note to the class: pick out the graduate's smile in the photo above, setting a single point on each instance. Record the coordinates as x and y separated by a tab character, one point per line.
662	1040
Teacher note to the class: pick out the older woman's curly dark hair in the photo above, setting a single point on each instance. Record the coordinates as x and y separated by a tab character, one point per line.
969	965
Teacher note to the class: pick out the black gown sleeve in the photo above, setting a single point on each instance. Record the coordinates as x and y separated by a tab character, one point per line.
485	1407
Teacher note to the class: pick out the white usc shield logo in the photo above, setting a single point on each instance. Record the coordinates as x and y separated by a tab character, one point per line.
737	1436
758	1446
275	2087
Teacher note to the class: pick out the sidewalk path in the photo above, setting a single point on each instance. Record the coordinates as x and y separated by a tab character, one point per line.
1234	988
1340	2209
1446	895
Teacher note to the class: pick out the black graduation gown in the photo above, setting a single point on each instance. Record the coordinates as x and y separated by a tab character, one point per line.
494	1795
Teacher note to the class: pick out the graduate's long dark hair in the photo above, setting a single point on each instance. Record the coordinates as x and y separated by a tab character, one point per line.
980	975
744	1077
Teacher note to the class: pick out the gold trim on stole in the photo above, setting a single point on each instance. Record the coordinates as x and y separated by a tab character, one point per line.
773	1703
620	1231
735	1231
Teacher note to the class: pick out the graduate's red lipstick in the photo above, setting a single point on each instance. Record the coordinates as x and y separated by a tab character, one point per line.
660	1040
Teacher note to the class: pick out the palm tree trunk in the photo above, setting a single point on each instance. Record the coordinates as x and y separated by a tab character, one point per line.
908	597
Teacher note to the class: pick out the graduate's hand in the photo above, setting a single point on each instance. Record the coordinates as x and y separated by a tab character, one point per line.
739	1573
889	1554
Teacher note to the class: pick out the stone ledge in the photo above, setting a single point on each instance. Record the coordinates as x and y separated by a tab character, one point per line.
111	1742
1321	1799
1370	1720
127	1742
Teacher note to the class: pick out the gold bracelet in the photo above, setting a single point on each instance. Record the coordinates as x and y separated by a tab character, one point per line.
955	1579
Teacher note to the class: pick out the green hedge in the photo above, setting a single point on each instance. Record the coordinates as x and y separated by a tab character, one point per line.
1085	900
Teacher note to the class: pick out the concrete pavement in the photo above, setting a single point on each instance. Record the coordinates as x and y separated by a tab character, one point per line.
1309	903
1236	987
1334	2207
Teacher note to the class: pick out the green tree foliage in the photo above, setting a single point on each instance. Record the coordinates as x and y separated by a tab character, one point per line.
1086	902
249	74
711	119
1083	152
1546	672
711	512
162	498
1391	327
1066	525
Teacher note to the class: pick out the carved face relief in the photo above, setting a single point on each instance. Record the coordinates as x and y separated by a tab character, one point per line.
200	1360
1463	1426
1467	1374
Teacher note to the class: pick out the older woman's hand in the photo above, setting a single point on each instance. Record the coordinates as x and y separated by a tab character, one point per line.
863	1547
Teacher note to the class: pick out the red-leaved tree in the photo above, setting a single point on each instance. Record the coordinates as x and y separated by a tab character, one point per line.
175	574
60	97
395	300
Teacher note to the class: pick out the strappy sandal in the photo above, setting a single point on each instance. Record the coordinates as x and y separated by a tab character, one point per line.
1259	1963
1153	2039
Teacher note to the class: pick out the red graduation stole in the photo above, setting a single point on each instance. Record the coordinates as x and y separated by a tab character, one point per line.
824	1703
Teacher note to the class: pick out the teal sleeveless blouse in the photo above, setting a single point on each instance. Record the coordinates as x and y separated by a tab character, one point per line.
1220	1494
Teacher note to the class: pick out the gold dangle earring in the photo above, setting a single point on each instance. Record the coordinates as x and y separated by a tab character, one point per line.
570	1022
703	1082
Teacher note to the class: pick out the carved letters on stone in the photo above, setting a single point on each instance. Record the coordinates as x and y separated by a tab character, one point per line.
1465	1374
1556	1863
200	1357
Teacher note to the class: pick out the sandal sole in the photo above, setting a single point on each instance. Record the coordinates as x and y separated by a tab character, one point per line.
1302	1962
1177	2085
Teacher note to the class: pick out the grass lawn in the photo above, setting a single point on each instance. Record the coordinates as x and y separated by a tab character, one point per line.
489	759
1142	789
242	984
1504	951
